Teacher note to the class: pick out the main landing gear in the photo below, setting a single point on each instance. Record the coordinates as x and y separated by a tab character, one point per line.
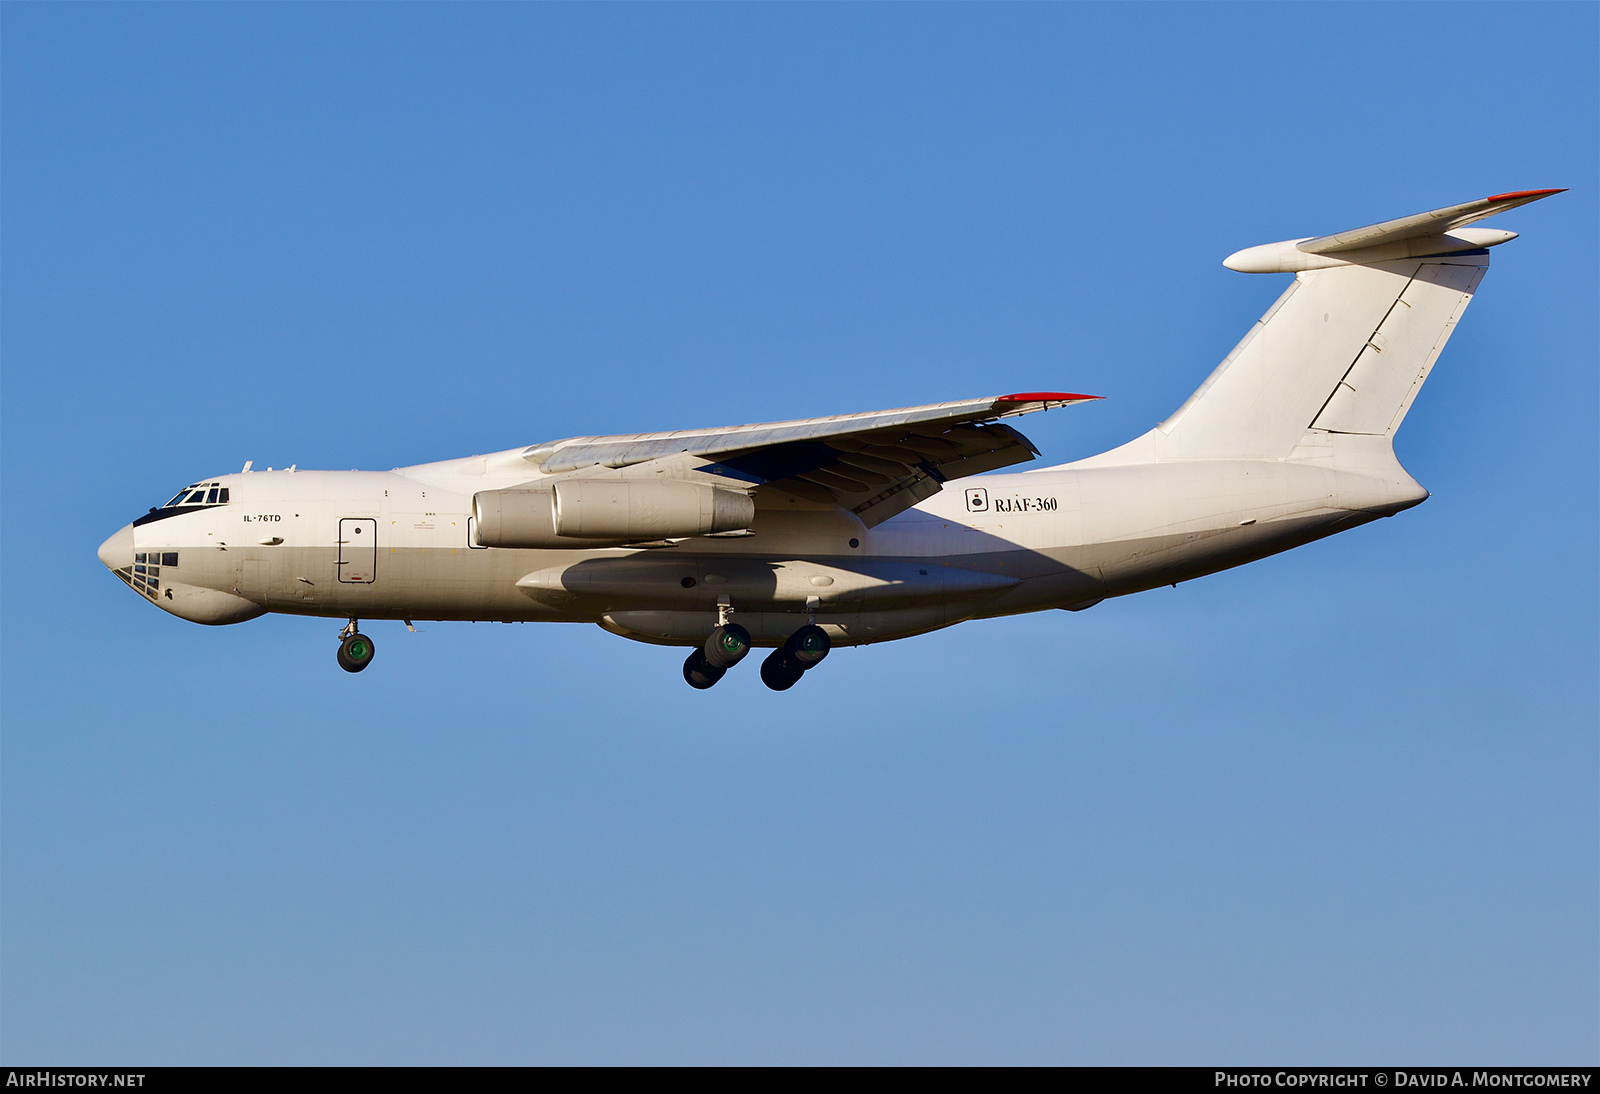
780	671
355	649
804	649
725	648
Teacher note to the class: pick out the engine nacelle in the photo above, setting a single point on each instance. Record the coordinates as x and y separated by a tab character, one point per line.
607	512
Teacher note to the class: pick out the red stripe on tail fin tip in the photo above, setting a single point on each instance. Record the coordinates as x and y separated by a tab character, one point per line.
1525	194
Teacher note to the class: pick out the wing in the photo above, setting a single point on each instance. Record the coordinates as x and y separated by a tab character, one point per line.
875	464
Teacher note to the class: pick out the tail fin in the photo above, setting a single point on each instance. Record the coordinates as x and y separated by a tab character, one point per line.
1345	349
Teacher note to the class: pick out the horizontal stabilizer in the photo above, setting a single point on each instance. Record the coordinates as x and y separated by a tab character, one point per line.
1438	232
1434	223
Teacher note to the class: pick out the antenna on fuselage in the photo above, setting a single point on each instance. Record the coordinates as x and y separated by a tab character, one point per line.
247	464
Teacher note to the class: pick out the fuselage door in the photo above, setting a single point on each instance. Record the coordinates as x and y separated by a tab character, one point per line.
358	550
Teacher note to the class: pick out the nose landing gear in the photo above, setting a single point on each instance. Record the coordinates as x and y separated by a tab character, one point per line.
355	649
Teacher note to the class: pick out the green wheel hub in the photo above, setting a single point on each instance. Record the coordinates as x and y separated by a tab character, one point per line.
355	652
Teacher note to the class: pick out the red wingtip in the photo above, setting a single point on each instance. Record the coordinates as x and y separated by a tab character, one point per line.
1526	194
1045	397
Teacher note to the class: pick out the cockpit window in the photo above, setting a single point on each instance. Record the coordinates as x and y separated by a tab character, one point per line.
199	493
190	499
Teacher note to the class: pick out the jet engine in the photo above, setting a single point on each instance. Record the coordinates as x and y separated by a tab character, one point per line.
607	512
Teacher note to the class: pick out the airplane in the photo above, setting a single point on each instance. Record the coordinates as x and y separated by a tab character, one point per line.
800	536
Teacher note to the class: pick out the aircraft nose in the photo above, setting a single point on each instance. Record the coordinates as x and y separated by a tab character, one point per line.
117	551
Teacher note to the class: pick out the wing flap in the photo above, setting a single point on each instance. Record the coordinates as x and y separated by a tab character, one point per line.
889	471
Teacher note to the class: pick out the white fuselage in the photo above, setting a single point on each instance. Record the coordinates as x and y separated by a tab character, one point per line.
398	545
1288	440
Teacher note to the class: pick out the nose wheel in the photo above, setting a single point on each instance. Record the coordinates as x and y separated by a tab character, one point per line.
355	649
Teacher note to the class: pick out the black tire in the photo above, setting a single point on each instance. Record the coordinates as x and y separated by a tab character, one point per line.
355	653
727	646
808	645
780	671
698	673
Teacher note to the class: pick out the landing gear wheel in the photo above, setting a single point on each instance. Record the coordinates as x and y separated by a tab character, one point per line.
780	671
698	672
727	646
355	652
808	645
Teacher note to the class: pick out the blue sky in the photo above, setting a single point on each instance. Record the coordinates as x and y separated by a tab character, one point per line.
1338	806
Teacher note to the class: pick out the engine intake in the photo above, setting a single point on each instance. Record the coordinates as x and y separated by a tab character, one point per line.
607	512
